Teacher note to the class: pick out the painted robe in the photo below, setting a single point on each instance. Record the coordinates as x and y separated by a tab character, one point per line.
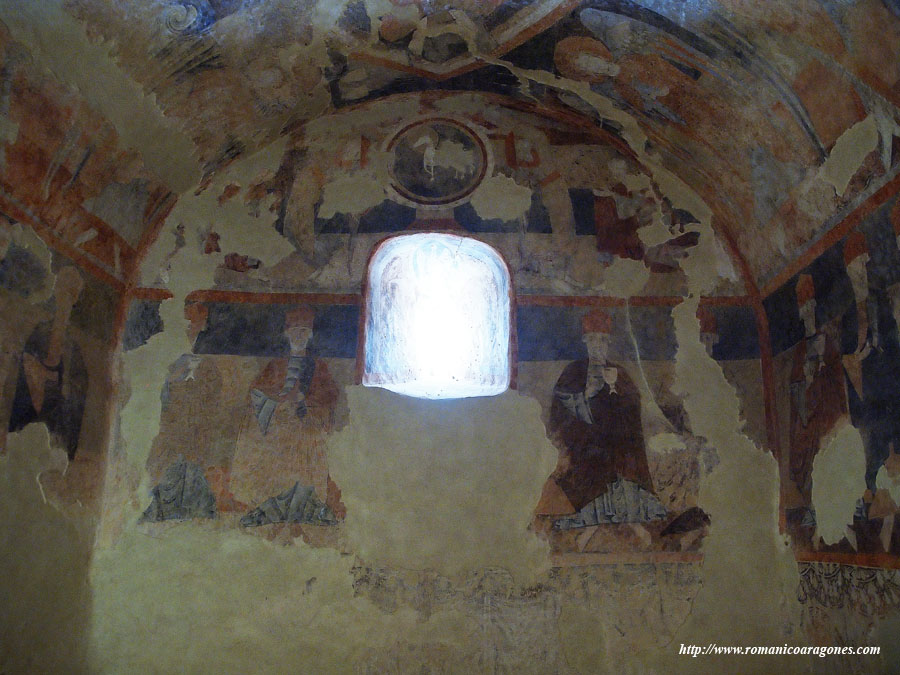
818	401
600	438
282	438
64	391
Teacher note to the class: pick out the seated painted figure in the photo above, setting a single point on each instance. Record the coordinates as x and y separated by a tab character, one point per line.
291	411
595	420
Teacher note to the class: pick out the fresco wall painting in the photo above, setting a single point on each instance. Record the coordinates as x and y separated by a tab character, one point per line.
543	129
834	332
560	207
56	356
246	416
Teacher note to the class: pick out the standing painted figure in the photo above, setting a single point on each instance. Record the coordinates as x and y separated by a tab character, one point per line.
52	382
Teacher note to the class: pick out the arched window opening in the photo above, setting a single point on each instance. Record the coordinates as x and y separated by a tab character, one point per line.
438	318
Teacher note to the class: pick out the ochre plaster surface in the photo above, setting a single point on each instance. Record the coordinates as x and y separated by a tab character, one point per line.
436	565
849	152
41	547
749	574
443	485
241	604
838	481
501	197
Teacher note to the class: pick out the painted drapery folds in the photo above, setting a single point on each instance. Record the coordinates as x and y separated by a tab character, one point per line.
697	205
52	382
629	469
834	328
248	412
54	367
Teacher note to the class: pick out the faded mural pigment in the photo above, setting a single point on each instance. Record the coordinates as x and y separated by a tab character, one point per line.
698	207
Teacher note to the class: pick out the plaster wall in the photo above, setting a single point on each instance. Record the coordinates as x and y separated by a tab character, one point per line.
51	455
437	558
435	542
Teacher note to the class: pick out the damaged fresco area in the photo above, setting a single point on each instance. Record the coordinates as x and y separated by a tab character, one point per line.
389	524
257	503
55	393
55	368
246	413
202	481
794	118
631	488
561	207
850	605
262	378
64	170
834	332
824	122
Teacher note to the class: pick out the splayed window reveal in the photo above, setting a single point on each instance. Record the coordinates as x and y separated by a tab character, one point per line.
438	315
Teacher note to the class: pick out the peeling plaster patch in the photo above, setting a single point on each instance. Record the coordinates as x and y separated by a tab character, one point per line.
886	119
625	278
58	43
499	197
636	182
463	104
351	194
484	462
239	600
724	264
681	195
399	10
665	442
44	559
749	574
144	369
837	481
884	481
701	265
848	154
239	230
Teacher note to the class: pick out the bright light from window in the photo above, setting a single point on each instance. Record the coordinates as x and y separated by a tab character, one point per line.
438	318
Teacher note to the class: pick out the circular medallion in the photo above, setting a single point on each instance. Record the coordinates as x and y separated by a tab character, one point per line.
436	161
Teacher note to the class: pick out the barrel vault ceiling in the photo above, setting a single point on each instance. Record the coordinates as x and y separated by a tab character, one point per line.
783	117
